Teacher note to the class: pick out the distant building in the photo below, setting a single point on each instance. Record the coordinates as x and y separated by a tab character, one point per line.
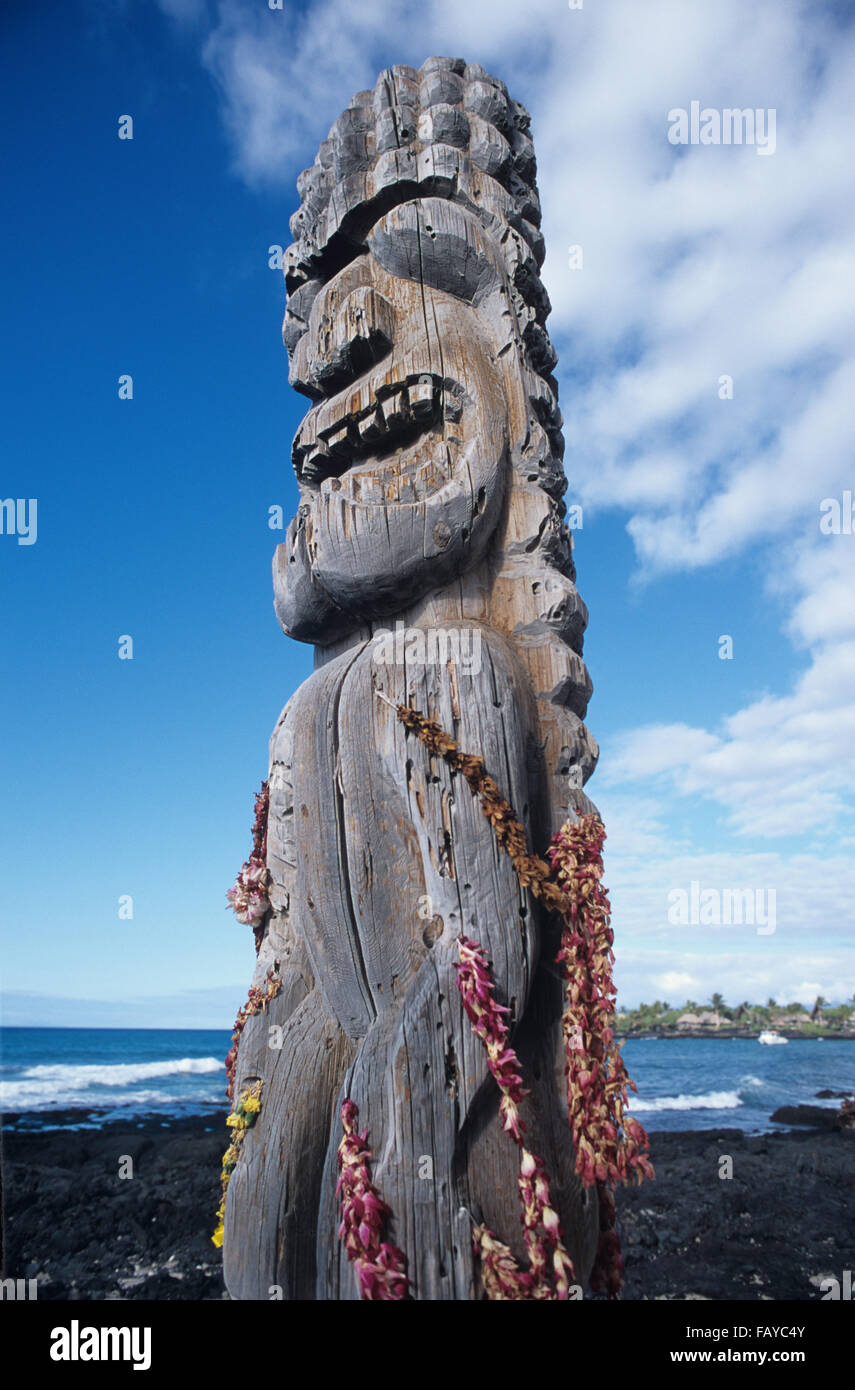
703	1020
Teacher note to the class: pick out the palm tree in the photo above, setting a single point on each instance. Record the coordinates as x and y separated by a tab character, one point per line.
717	1001
816	1011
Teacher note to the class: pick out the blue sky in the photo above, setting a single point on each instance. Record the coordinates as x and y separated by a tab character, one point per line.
150	257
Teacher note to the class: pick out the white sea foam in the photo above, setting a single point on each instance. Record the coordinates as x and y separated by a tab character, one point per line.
713	1100
69	1085
122	1073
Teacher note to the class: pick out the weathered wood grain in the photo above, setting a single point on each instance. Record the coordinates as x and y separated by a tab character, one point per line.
431	479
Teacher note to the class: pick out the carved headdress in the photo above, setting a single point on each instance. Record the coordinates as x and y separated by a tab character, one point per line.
416	323
448	130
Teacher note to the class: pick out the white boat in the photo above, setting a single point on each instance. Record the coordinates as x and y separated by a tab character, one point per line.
771	1037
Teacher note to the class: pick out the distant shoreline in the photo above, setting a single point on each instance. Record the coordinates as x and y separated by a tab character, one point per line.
791	1034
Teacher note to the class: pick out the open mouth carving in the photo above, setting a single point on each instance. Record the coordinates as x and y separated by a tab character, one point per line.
372	422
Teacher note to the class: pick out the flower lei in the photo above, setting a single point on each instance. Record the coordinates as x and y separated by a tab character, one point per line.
242	1118
610	1147
248	898
379	1266
503	1278
256	1003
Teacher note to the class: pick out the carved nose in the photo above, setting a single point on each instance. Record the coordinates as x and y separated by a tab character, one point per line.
350	339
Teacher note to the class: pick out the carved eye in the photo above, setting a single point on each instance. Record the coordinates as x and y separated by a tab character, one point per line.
297	311
351	338
339	339
438	243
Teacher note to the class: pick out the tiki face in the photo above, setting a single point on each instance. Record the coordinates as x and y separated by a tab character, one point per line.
402	459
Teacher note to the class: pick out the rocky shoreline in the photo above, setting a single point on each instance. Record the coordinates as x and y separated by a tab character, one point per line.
772	1229
86	1233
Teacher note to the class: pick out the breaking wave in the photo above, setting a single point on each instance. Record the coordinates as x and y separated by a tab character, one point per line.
713	1100
68	1085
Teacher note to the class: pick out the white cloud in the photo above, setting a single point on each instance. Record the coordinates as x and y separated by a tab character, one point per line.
677	983
641	976
698	262
285	76
814	890
784	764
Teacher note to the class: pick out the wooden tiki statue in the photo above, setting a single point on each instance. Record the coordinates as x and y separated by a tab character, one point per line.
429	561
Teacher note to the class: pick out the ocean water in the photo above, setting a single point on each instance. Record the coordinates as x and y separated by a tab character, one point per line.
112	1073
117	1073
711	1083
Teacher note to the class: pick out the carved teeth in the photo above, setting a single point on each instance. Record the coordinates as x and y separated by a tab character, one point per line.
317	463
332	437
372	427
421	398
339	442
395	411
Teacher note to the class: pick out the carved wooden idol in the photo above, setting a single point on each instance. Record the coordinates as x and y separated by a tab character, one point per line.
429	561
